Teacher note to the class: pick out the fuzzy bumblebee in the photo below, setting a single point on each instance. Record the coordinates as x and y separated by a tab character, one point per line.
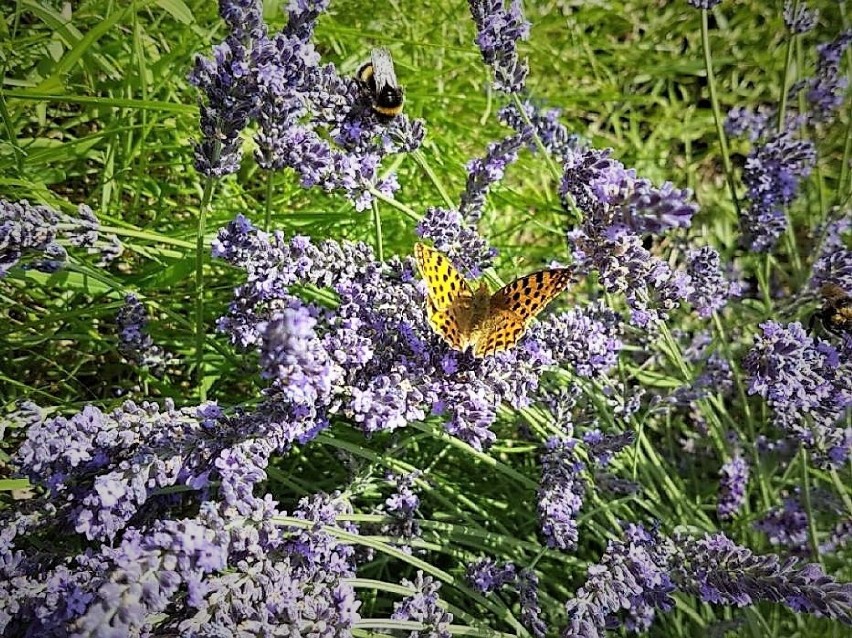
379	78
835	316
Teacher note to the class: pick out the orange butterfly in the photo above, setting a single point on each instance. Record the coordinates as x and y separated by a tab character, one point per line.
465	317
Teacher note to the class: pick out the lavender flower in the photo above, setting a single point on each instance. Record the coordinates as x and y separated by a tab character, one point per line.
631	576
786	526
134	342
798	17
543	125
215	573
310	118
486	576
530	610
458	239
721	572
710	290
601	447
294	357
825	91
423	606
732	486
33	234
745	121
807	385
498	31
772	175
483	172
393	366
227	91
401	506
618	207
560	494
704	4
637	576
585	338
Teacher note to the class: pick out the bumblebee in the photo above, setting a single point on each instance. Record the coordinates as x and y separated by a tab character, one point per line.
835	316
379	78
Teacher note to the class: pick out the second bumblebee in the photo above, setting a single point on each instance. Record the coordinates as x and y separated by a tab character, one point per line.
835	316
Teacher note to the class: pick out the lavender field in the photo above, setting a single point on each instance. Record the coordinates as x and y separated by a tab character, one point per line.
485	318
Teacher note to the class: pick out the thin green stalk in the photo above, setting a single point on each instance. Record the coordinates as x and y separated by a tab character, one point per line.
200	333
377	226
785	80
806	493
844	184
267	218
555	172
433	177
717	112
405	210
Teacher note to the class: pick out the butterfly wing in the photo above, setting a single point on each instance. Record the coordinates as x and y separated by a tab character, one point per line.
528	295
445	287
444	283
503	330
515	305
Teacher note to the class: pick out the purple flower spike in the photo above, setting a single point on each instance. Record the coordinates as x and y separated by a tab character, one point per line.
560	494
422	606
807	385
486	576
458	239
732	486
498	31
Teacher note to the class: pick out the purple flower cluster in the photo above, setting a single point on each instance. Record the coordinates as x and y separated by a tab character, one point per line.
733	484
485	171
228	567
455	236
637	577
310	118
530	609
423	607
401	506
544	126
486	576
618	208
134	342
773	173
368	354
709	290
825	91
560	494
834	261
808	385
35	234
498	31
786	526
631	577
798	17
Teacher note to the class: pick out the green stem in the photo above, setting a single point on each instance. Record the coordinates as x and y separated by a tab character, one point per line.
377	224
405	210
200	333
268	216
717	113
785	80
574	212
806	493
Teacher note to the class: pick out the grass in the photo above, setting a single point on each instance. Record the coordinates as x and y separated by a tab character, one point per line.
96	109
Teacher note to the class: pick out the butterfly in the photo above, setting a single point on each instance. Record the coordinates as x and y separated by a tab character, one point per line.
467	318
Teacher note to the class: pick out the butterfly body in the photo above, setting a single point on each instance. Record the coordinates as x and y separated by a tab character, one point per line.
468	318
